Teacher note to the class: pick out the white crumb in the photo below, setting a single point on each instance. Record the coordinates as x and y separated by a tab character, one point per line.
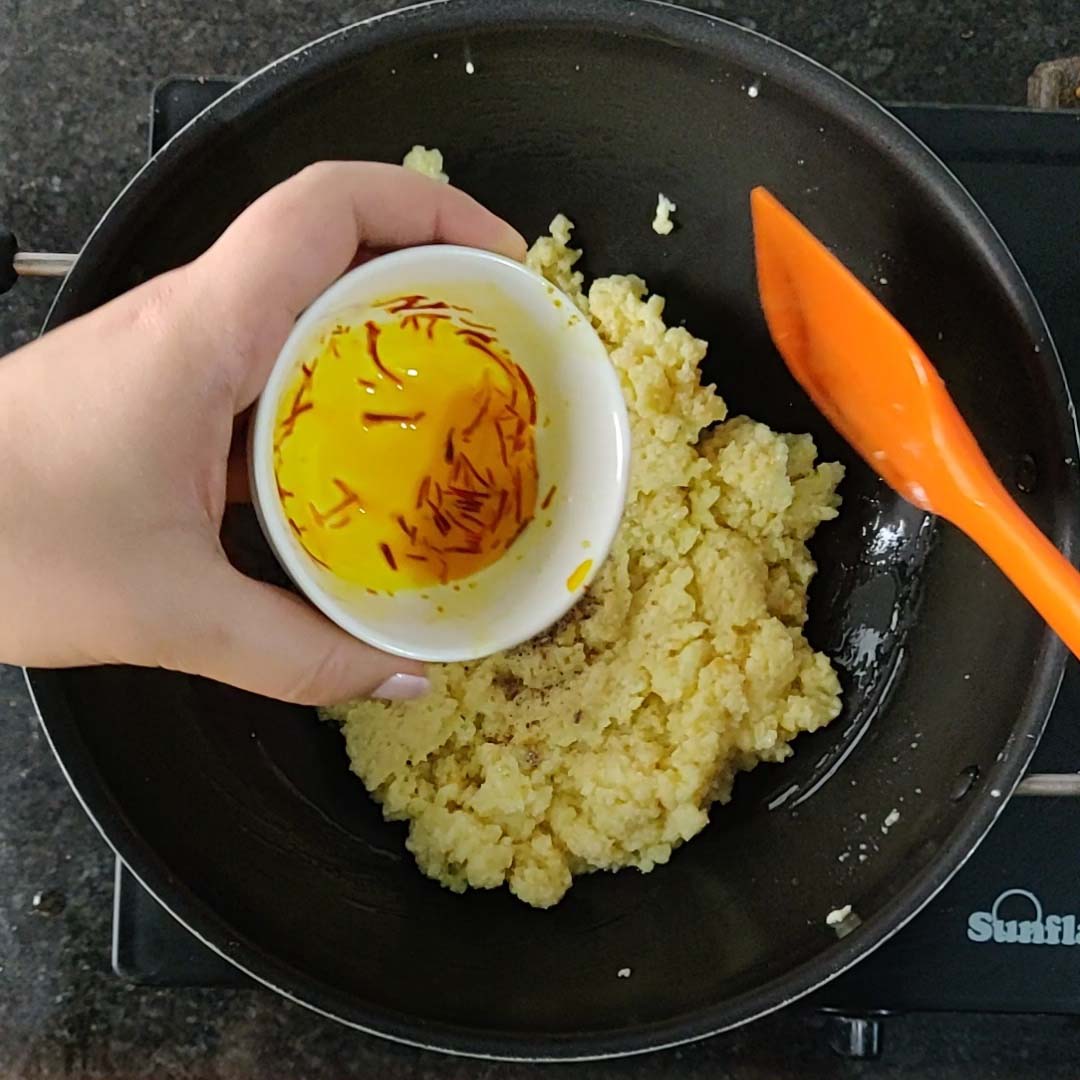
623	973
890	820
662	222
837	915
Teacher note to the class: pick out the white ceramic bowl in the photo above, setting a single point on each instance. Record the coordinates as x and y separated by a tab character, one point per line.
582	446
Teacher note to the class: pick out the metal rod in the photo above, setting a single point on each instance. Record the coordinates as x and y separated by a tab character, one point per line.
1066	785
43	263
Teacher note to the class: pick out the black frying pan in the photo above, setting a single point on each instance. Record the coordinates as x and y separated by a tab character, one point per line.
240	815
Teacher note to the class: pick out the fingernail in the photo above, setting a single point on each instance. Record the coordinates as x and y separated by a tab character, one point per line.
402	688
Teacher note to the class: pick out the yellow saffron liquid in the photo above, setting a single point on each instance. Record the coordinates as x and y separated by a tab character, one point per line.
577	578
404	449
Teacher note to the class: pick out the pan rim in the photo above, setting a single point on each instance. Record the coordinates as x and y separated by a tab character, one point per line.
446	16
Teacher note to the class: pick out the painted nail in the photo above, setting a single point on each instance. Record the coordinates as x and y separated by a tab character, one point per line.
402	688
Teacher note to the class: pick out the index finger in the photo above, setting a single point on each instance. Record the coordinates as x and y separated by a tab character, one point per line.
302	235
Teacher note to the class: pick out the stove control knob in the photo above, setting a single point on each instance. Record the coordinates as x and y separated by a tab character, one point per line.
854	1036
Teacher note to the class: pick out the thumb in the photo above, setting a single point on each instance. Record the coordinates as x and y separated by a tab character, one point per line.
261	638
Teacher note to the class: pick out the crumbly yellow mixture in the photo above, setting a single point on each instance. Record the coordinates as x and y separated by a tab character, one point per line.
602	743
426	162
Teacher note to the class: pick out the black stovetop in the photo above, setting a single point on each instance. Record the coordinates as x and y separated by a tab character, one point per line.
1024	169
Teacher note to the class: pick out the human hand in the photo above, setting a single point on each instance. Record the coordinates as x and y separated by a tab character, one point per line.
115	433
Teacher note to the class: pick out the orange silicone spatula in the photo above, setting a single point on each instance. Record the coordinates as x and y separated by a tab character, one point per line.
866	374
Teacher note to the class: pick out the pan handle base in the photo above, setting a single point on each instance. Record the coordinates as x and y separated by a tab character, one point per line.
1050	785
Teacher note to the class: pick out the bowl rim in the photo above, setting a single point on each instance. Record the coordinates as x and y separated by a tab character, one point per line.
527	622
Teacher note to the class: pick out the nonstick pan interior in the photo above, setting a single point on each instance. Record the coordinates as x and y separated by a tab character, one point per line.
240	814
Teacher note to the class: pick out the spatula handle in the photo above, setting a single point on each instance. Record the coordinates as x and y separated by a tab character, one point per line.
1029	560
